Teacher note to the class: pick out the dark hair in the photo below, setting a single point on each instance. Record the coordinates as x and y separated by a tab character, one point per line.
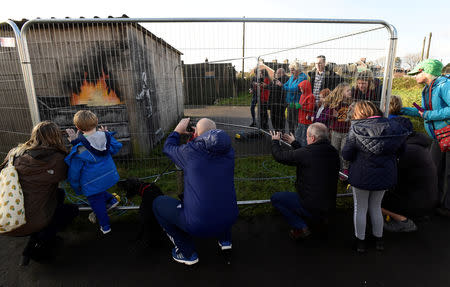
322	57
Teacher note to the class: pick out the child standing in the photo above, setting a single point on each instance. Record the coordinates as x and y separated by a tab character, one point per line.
339	102
372	147
322	114
305	108
91	168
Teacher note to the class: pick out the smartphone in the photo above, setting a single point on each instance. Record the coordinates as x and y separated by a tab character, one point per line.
190	129
418	107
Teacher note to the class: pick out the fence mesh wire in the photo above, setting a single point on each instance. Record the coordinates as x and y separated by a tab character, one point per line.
141	78
15	123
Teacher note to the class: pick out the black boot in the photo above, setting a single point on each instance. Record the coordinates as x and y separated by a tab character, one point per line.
379	243
40	251
360	245
26	253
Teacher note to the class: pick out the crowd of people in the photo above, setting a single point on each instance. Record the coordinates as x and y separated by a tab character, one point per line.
321	95
396	175
390	169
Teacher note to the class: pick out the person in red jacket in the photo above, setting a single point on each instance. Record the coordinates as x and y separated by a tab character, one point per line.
305	108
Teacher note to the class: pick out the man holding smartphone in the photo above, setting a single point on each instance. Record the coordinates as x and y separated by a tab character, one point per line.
209	206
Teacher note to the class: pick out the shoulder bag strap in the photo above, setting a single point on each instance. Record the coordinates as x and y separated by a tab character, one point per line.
430	106
429	96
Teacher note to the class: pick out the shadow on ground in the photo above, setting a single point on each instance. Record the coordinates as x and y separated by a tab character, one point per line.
263	255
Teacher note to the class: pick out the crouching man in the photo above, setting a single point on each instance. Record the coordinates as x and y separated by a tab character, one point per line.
209	207
317	173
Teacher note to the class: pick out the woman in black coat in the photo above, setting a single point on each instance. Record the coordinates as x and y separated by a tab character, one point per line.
277	100
416	193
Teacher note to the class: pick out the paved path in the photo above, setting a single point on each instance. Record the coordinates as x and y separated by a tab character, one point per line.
263	255
234	120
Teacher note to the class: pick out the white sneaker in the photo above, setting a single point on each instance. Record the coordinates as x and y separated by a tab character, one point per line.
92	218
105	231
224	245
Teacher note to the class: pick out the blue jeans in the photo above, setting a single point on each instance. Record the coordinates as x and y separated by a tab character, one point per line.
300	134
98	204
288	203
168	211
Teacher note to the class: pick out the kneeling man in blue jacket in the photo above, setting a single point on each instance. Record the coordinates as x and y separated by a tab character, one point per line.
209	207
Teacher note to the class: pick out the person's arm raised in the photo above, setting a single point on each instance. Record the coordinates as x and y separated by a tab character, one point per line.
172	146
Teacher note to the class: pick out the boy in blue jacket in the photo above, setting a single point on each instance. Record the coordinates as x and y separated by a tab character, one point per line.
91	168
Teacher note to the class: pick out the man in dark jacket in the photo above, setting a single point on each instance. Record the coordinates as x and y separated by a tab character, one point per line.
317	174
323	78
416	192
209	206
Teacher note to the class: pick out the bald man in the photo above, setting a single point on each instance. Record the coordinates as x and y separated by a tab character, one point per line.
209	207
317	173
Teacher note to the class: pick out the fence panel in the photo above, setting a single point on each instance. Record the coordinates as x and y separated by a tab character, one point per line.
140	76
15	124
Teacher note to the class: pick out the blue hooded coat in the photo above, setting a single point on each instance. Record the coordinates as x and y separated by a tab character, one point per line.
209	206
372	148
291	87
440	102
91	167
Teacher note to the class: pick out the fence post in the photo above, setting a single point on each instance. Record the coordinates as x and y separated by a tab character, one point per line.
27	73
388	70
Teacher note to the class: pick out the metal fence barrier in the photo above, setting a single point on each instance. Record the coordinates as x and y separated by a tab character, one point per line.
140	76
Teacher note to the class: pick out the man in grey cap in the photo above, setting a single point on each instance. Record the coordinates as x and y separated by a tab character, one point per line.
436	115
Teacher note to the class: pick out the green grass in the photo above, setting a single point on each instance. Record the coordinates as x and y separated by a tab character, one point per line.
251	171
410	92
242	99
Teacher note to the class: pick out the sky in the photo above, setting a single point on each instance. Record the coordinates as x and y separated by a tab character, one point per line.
413	19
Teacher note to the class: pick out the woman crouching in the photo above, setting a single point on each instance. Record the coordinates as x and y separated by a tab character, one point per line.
40	165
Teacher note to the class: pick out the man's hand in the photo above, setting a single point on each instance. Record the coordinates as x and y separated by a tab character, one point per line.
103	128
421	113
71	135
182	125
276	136
289	138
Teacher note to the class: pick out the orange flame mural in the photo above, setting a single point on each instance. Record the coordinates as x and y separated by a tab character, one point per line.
95	94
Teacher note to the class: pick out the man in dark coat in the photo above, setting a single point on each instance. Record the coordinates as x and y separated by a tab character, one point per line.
323	78
209	206
277	100
416	192
317	174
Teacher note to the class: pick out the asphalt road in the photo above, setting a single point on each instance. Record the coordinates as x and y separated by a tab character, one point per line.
263	255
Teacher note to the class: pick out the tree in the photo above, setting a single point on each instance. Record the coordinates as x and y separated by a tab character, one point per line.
412	60
398	63
380	61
